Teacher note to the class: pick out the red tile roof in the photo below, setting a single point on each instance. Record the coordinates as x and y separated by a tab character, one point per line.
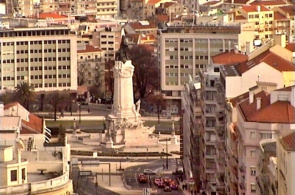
89	48
266	3
278	112
34	125
279	16
10	105
229	58
253	8
240	18
51	15
243	2
210	3
285	88
168	4
289	9
137	25
153	2
163	18
236	100
291	47
288	142
269	58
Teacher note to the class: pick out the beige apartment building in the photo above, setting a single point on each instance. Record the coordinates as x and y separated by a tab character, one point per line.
107	9
45	57
184	51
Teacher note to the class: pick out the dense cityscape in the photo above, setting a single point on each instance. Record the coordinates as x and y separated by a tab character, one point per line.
142	97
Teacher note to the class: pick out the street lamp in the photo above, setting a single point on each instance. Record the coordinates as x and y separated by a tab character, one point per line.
166	153
79	113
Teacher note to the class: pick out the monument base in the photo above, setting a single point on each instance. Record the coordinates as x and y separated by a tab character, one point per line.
173	139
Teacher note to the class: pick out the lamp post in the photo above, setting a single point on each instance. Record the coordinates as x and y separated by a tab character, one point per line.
79	113
166	153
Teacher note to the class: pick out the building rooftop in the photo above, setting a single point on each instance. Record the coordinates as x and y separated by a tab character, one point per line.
9	123
153	2
269	3
279	16
253	8
269	146
288	142
142	25
291	47
278	112
230	70
289	9
234	101
51	15
269	58
229	58
89	49
243	2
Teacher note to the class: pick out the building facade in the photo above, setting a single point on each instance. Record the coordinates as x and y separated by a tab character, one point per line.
45	57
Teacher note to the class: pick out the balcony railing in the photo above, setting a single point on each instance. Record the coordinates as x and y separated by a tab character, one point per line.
37	187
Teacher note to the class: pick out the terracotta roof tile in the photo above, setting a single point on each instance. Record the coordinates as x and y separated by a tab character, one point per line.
288	142
89	48
279	16
34	125
210	3
51	15
240	18
266	3
229	58
163	18
10	105
278	112
153	2
243	2
138	25
253	8
269	58
291	47
289	9
285	88
236	100
168	4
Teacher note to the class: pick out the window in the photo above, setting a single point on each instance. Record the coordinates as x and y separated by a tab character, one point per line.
252	153
23	174
252	134
13	175
253	187
253	171
216	69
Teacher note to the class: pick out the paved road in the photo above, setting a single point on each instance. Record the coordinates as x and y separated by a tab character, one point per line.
130	175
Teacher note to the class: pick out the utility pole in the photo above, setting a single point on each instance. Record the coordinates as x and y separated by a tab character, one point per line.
167	153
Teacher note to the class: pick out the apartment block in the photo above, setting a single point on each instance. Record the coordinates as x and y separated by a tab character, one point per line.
285	163
184	51
191	106
107	9
258	118
45	57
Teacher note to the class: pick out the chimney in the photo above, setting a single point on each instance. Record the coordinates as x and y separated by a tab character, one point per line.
258	8
251	97
258	103
1	109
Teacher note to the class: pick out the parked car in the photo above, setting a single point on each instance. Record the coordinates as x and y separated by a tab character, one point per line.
166	180
148	172
167	189
157	181
142	178
174	185
161	184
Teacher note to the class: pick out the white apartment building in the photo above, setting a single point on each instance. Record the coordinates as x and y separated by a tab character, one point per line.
28	163
107	9
258	118
45	57
184	51
190	101
285	163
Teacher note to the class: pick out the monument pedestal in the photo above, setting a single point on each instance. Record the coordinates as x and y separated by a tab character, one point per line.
109	144
173	139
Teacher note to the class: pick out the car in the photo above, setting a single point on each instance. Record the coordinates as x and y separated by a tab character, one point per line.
142	178
167	189
174	185
157	181
148	172
166	180
161	184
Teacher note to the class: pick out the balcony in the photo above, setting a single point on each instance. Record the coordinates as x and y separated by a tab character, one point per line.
242	168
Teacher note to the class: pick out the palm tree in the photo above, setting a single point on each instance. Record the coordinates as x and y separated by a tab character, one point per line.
25	94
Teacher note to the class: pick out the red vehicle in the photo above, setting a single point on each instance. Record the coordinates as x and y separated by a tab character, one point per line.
167	189
174	185
166	180
157	181
161	184
142	178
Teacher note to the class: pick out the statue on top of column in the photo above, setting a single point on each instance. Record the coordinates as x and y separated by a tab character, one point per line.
121	54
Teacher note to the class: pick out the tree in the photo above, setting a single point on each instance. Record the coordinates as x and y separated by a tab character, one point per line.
25	94
7	97
158	100
146	73
109	78
83	70
58	101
